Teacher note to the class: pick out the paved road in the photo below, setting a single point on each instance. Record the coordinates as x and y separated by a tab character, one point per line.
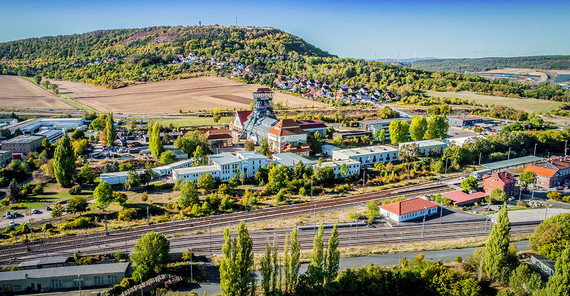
380	260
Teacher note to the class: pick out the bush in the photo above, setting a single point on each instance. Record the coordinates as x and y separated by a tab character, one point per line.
119	255
81	222
521	203
75	190
39	189
127	214
144	196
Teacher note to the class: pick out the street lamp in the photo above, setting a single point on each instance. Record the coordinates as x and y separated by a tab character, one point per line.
140	277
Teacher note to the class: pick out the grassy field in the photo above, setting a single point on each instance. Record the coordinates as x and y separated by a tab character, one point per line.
528	105
192	121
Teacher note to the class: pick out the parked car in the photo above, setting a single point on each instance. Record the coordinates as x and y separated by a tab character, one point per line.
48	208
34	211
8	215
12	223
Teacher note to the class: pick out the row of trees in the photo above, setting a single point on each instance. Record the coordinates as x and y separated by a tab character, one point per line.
435	127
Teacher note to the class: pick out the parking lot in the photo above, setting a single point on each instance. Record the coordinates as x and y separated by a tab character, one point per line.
24	216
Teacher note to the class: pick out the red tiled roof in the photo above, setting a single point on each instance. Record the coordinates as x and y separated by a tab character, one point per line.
315	123
219	136
243	115
461	197
264	89
541	171
408	206
286	127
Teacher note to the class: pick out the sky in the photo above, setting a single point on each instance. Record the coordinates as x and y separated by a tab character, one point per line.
356	28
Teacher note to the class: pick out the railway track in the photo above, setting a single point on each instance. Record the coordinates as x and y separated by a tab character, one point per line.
61	244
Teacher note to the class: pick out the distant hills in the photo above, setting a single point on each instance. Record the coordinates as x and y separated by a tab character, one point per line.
558	62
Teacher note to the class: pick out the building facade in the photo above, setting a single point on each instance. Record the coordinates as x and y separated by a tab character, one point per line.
23	144
252	161
426	147
380	124
352	167
503	180
367	155
166	170
410	209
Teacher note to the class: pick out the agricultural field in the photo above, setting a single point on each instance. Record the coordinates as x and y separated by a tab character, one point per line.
17	92
170	96
526	104
192	121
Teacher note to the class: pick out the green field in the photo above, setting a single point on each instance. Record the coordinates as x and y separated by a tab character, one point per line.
525	104
192	121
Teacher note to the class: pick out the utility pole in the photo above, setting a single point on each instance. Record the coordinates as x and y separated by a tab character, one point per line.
147	216
364	182
441	211
311	188
546	209
356	220
45	243
509	155
210	229
408	182
565	142
191	266
476	235
535	148
79	284
446	167
140	277
126	250
315	218
400	246
480	154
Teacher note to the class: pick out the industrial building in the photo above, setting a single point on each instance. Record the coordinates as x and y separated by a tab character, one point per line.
290	159
65	278
51	135
34	125
23	144
117	177
462	121
367	155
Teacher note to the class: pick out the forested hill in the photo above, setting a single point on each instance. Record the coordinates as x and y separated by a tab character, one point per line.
485	64
154	46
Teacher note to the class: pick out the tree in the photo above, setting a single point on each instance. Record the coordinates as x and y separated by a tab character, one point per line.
86	175
497	247
189	194
103	195
264	149
528	177
64	162
249	146
57	210
470	183
437	127
498	195
294	263
38	79
315	143
206	182
418	128
551	236
200	156
236	264
398	131
409	152
559	284
167	157
316	267
333	257
110	130
154	142
151	254
286	264
524	281
14	191
266	270
77	204
380	135
277	178
276	269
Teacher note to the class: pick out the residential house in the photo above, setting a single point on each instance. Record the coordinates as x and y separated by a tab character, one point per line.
552	172
503	180
409	209
219	138
285	132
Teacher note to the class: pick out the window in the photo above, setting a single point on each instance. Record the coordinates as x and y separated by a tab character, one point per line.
99	281
56	284
78	281
111	279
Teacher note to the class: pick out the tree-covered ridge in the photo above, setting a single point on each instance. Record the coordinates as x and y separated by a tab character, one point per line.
560	62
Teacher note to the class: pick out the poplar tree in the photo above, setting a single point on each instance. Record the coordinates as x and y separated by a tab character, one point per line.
418	128
265	270
316	267
286	264
559	284
497	248
236	264
333	256
154	142
275	264
294	263
111	131
64	162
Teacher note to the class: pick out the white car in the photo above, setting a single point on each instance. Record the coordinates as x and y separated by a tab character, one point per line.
34	211
12	223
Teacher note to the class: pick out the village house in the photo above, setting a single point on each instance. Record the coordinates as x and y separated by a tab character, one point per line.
409	209
502	180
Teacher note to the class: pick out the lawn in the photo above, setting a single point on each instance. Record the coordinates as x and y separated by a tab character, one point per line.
192	121
52	194
526	104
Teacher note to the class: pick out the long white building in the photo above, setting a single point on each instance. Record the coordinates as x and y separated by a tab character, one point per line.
252	161
426	146
166	170
117	177
367	155
353	167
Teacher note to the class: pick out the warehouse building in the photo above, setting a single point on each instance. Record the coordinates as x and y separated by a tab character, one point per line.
117	177
408	209
367	155
65	278
23	144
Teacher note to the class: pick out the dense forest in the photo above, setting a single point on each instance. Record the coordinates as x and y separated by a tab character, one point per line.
116	58
486	64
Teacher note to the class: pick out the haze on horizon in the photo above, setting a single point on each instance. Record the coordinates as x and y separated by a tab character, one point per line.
358	29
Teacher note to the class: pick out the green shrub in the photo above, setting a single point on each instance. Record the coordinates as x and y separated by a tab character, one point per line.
81	222
127	215
75	190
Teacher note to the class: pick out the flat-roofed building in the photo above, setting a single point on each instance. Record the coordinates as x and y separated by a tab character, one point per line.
409	209
194	173
252	161
117	177
380	124
367	155
228	164
5	157
23	144
51	135
290	160
327	149
464	121
424	147
62	278
166	170
352	167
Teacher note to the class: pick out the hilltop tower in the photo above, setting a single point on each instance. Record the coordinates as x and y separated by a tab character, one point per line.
262	108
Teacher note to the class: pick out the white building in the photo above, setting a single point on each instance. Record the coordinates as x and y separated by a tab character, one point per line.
408	209
367	155
194	173
117	177
353	167
166	170
327	149
227	163
252	161
51	135
424	147
33	125
290	159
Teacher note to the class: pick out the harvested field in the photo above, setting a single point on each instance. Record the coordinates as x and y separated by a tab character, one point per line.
168	97
17	92
525	104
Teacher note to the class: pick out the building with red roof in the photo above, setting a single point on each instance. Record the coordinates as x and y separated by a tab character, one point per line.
219	138
286	132
503	180
409	209
552	172
460	198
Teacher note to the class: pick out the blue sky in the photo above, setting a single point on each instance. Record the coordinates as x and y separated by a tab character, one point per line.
360	29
